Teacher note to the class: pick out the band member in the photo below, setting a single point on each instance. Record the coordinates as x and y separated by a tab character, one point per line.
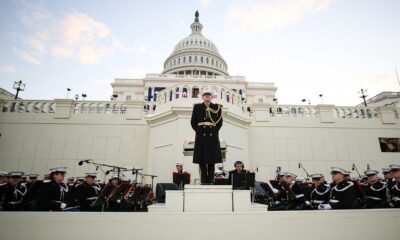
387	177
206	121
33	186
239	169
112	203
343	194
87	193
54	194
31	179
14	192
70	181
3	178
394	190
179	167
321	190
292	195
375	191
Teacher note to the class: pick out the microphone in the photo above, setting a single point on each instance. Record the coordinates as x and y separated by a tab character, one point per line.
97	168
107	172
84	161
299	165
352	168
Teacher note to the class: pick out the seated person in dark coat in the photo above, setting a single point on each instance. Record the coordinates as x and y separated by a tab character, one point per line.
87	193
54	193
343	193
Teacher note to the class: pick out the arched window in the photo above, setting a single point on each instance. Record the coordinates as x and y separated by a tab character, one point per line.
207	60
212	62
195	92
184	59
190	59
179	60
195	59
201	59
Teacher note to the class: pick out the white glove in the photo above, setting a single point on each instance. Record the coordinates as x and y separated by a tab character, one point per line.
63	205
324	206
118	200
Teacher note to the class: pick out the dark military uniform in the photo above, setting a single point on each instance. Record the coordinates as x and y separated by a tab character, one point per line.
343	195
13	197
291	197
52	195
2	188
375	195
320	194
394	192
87	195
207	150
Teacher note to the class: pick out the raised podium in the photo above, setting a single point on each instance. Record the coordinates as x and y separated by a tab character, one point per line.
207	198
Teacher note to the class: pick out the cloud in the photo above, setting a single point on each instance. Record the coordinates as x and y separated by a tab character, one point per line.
270	16
7	69
75	36
29	57
204	3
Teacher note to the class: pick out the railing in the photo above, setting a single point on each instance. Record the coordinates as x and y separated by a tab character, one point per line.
29	106
290	111
194	91
355	112
95	107
173	76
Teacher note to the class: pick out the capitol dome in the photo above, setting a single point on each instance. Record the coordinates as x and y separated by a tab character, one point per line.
196	55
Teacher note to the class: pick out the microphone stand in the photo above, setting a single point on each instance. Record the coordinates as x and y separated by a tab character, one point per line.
308	175
354	167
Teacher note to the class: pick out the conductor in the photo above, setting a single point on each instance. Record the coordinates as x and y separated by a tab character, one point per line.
206	122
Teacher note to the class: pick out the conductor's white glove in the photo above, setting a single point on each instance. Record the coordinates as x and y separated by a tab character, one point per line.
63	205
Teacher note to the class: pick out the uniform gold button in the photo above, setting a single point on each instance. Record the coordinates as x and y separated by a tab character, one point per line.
204	134
210	134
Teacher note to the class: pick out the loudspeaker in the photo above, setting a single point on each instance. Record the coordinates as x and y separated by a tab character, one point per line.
160	190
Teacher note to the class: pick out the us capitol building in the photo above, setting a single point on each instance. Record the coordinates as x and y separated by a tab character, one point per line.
147	126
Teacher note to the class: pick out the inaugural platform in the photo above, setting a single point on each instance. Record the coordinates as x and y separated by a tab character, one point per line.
208	198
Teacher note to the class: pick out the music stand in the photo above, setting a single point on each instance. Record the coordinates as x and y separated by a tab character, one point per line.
243	180
180	179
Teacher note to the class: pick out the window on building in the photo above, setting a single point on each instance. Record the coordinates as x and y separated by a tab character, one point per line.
260	100
128	98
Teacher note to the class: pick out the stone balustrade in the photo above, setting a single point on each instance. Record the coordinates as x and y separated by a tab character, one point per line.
181	95
28	106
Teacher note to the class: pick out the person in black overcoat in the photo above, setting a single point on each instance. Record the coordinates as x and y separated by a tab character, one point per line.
87	193
206	121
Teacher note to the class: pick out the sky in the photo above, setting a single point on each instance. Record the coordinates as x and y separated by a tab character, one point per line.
304	47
